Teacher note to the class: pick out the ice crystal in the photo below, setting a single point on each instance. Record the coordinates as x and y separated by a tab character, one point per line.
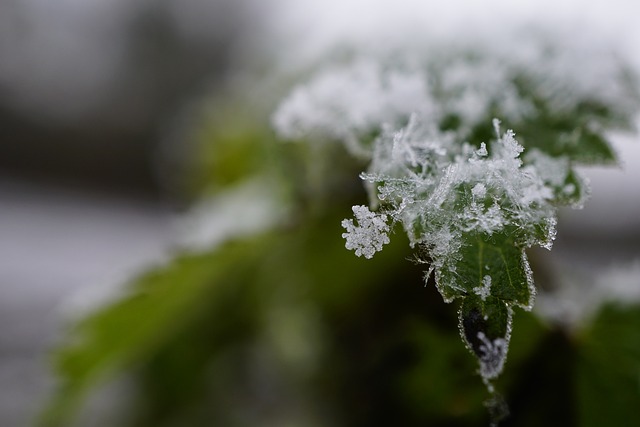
369	235
493	356
438	189
485	290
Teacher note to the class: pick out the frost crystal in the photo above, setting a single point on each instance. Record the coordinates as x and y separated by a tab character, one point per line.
494	354
369	235
485	290
439	189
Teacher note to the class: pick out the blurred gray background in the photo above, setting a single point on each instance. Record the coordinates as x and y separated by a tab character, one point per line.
90	92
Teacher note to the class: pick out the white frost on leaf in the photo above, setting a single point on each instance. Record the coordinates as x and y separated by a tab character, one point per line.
484	290
468	82
484	220
439	189
346	103
369	235
494	354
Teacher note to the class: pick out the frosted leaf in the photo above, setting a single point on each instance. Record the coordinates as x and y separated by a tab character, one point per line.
369	235
346	103
485	327
422	183
470	88
458	85
553	169
565	184
473	206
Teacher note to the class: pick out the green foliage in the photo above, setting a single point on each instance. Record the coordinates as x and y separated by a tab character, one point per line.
608	369
328	333
131	329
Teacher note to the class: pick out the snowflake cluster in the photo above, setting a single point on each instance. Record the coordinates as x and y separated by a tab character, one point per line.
492	357
369	235
440	189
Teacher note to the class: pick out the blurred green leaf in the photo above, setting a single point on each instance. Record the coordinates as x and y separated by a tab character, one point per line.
132	328
608	369
225	294
441	385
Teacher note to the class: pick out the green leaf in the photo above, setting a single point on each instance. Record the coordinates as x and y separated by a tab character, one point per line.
439	386
574	190
587	146
558	137
491	275
490	316
608	370
495	256
133	327
485	326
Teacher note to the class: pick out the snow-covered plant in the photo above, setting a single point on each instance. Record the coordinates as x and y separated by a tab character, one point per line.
470	196
473	211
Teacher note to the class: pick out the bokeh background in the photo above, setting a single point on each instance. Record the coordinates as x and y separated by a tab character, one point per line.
100	104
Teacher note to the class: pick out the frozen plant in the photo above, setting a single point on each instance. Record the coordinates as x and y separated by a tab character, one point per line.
474	211
470	197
